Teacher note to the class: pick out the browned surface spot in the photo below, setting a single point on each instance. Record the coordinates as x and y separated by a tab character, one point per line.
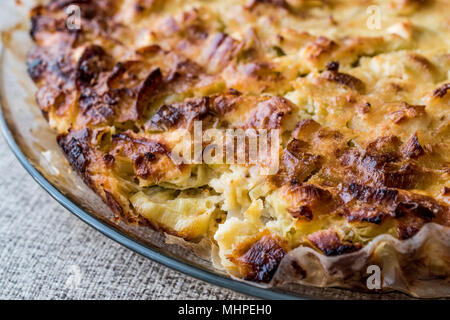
76	148
91	64
363	203
380	169
364	213
270	113
260	260
369	195
301	212
333	66
305	129
446	191
385	145
307	200
408	226
261	71
180	115
109	160
423	63
423	207
221	51
297	164
53	69
406	112
344	79
206	109
224	103
43	24
132	143
150	159
296	147
441	91
413	149
320	48
149	51
124	95
184	75
251	4
312	193
330	244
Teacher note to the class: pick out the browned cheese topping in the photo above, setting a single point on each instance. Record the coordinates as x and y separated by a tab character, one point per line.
362	110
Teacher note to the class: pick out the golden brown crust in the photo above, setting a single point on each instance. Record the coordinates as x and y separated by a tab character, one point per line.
329	243
363	117
259	261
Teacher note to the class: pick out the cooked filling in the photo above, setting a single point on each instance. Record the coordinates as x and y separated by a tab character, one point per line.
361	99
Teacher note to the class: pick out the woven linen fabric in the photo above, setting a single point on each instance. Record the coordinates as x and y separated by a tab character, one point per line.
48	253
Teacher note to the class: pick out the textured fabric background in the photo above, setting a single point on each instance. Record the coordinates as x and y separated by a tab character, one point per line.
47	253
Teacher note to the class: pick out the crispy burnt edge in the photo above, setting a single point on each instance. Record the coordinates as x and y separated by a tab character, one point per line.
332	74
329	242
395	203
44	62
52	62
441	91
146	155
258	258
76	148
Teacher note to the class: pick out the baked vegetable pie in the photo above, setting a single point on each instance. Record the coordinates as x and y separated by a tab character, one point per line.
358	93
